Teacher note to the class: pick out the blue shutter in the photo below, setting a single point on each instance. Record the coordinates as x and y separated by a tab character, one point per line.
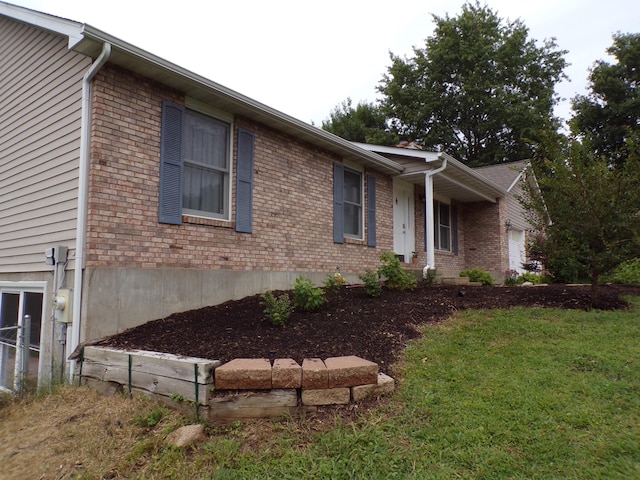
170	201
338	201
244	182
454	227
371	210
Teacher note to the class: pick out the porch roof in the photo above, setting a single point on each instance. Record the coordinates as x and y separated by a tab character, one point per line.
457	181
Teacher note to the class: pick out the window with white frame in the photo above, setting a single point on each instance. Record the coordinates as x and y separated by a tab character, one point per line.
353	200
442	226
206	157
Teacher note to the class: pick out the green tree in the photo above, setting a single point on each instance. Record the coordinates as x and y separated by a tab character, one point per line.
590	210
611	111
366	123
481	89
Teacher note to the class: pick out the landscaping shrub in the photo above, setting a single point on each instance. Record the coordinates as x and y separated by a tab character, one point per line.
478	275
627	273
531	277
429	276
279	309
372	285
334	282
306	296
391	270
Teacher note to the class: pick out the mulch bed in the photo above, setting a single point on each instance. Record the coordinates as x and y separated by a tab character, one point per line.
350	323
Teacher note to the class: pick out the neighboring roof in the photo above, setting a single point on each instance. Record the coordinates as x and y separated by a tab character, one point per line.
456	181
504	174
88	40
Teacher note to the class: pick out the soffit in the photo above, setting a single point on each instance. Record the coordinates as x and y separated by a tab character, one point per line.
205	90
457	181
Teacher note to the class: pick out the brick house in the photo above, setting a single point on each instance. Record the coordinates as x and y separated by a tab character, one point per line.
133	188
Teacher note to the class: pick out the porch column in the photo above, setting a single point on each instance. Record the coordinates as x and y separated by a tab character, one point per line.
428	208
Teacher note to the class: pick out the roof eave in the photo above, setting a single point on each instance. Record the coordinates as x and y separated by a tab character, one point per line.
203	89
69	28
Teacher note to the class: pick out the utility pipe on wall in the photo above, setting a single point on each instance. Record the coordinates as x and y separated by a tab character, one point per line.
83	189
428	205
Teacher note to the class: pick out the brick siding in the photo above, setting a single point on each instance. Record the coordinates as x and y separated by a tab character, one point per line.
486	239
293	203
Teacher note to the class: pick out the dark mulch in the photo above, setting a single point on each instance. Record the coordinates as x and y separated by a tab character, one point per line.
377	329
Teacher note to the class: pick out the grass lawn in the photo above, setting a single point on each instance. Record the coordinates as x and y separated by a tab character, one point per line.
516	394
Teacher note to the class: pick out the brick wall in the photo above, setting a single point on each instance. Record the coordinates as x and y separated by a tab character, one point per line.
293	188
486	239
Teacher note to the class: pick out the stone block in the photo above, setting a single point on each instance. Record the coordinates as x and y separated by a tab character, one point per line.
286	373
350	371
384	385
314	373
326	396
186	436
244	374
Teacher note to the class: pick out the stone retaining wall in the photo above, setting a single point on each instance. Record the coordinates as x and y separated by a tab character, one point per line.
237	390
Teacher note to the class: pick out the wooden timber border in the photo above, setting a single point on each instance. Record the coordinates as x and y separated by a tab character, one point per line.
241	389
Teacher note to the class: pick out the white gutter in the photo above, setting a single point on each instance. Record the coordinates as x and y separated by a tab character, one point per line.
428	206
83	191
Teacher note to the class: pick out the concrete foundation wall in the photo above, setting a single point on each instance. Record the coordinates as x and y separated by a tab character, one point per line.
120	298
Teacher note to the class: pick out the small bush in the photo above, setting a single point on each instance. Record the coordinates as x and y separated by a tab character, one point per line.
429	276
534	278
279	309
478	275
372	285
334	282
627	273
395	277
306	296
511	277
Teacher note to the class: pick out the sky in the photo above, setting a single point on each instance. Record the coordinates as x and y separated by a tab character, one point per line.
304	58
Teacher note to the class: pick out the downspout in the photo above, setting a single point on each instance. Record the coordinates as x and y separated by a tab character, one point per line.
83	192
428	206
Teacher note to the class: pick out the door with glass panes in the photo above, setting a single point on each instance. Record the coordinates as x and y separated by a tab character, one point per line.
14	306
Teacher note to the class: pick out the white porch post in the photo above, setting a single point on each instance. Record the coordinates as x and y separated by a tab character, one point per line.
428	208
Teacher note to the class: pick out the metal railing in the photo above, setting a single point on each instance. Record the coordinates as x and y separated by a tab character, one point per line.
23	336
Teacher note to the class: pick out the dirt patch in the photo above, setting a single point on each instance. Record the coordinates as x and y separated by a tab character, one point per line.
350	323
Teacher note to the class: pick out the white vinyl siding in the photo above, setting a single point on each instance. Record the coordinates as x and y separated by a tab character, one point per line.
40	109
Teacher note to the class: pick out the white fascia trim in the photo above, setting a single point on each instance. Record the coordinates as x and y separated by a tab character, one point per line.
99	36
405	152
519	176
62	26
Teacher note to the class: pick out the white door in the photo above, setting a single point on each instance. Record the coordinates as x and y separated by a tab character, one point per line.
516	250
404	233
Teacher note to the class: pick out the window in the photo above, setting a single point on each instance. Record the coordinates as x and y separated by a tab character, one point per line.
206	166
195	168
352	204
349	205
442	226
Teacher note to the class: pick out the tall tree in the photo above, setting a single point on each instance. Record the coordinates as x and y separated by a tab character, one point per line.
366	123
480	89
611	111
593	208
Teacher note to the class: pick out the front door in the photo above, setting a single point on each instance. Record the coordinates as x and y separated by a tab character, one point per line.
404	233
